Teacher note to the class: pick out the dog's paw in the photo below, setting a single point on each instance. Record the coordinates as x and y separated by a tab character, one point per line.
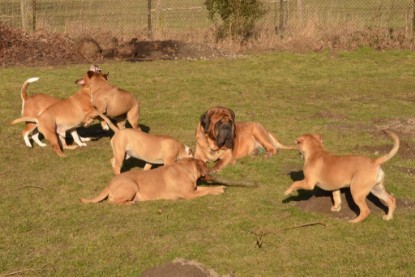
336	208
387	217
287	192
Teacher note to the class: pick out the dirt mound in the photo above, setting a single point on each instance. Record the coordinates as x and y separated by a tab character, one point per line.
41	48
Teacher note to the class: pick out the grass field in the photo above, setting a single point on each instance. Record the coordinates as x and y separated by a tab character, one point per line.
345	97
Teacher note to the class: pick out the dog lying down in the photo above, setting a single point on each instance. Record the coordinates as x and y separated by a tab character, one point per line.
153	149
330	172
169	182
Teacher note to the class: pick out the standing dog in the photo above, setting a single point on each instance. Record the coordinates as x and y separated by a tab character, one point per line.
222	140
330	172
169	182
62	116
31	107
152	149
116	103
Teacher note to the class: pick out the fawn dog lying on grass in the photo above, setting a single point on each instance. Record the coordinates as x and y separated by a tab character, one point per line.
169	182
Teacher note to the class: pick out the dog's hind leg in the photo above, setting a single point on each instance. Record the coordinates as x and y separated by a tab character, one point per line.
379	191
29	128
76	138
359	193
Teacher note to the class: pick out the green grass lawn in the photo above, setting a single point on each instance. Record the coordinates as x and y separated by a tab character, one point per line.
345	97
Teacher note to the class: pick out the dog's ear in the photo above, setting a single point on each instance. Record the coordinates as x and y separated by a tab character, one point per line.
205	121
318	137
80	82
299	140
232	114
106	76
90	73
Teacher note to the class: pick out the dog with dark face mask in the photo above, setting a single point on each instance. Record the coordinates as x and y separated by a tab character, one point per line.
221	140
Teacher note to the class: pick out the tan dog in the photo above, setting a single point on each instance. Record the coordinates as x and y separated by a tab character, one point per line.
168	182
222	140
33	106
114	102
62	116
330	172
153	149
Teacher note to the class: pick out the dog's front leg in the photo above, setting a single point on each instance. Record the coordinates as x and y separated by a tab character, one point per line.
337	205
303	184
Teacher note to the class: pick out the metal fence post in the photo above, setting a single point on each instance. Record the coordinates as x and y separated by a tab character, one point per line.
149	27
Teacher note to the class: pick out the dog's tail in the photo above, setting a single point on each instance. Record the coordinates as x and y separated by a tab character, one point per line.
394	150
279	145
25	119
108	121
23	91
104	194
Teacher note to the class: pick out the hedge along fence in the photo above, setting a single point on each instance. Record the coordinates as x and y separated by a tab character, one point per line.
162	19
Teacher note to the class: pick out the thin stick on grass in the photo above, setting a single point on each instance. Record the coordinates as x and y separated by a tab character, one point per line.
229	182
261	234
22	271
30	186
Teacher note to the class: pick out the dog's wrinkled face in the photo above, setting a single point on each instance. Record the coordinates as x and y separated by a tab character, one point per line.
218	124
307	142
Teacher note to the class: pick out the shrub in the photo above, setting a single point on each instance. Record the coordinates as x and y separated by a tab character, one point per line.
238	17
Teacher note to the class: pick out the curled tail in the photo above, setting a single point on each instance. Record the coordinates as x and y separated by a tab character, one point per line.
279	145
25	119
393	151
23	91
104	194
108	121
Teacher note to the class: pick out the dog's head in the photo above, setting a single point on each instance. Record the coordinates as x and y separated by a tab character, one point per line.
93	74
218	123
308	142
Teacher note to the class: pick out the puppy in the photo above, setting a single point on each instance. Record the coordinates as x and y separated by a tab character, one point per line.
221	140
33	106
169	182
152	149
62	116
331	172
116	103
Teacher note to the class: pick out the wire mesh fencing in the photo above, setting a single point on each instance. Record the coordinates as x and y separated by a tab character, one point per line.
161	19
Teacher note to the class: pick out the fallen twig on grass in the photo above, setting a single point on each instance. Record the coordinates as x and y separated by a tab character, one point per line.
22	271
29	186
230	182
261	234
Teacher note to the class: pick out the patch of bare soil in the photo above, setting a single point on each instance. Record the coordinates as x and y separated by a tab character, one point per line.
320	201
41	48
181	268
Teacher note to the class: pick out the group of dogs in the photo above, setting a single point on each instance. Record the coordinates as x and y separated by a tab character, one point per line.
219	139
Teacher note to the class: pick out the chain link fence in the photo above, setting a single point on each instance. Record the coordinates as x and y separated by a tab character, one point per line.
162	19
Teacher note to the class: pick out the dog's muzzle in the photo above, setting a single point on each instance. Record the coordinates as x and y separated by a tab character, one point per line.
224	138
